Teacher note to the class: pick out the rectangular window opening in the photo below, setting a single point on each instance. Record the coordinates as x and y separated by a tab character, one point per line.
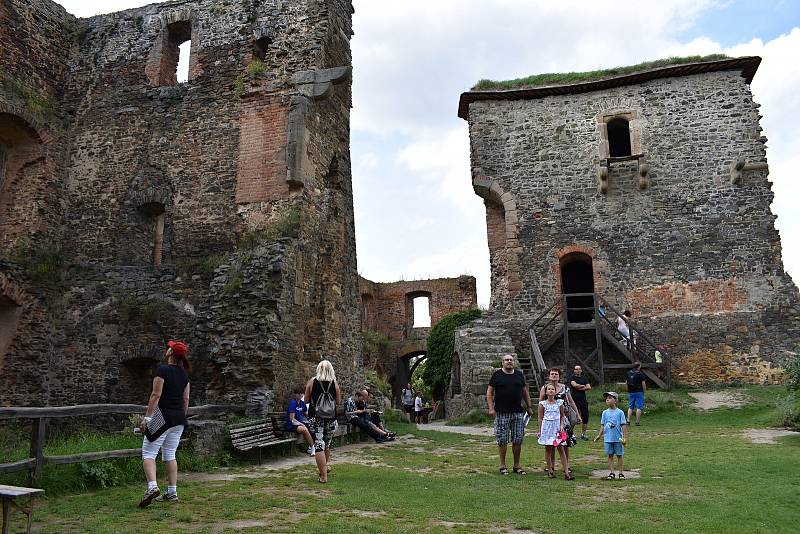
422	314
182	71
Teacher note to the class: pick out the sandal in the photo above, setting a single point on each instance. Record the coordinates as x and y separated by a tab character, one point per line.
568	476
550	474
503	470
621	476
519	471
610	476
322	481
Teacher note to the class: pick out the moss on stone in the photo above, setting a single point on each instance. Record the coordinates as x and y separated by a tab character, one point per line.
566	78
38	103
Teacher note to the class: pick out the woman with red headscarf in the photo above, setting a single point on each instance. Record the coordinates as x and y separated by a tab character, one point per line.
165	420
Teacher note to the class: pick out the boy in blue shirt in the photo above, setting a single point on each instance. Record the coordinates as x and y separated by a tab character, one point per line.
614	429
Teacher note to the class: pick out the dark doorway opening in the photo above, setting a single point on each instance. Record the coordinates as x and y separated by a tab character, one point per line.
577	276
619	138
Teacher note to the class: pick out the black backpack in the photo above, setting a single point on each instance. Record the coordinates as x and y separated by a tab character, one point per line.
325	407
632	379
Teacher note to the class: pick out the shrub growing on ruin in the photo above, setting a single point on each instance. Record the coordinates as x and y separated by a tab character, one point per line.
439	347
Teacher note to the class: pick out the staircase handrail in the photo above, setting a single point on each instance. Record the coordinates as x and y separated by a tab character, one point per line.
545	312
633	328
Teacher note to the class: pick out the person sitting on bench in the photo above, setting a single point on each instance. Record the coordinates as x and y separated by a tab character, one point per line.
374	415
354	417
296	420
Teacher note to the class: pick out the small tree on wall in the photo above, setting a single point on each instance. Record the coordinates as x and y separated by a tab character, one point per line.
439	348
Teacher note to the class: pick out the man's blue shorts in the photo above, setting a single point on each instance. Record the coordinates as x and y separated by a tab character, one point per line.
614	449
636	400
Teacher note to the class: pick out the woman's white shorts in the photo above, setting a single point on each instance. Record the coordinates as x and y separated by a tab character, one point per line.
167	442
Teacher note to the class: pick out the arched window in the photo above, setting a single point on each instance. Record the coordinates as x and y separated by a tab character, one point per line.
260	48
619	138
3	158
155	211
170	60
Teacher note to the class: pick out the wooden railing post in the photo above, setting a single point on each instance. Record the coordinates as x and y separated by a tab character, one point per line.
37	448
565	312
598	333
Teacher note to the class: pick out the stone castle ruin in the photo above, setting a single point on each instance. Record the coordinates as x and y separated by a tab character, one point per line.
388	309
646	191
134	209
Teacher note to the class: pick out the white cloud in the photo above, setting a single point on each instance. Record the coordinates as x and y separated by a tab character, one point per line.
443	163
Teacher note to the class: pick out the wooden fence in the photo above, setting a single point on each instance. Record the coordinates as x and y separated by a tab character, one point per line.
39	416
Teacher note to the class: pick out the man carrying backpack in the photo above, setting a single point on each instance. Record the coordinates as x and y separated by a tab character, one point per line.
636	381
407	396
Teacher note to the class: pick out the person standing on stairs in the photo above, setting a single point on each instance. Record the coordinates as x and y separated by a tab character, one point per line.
506	392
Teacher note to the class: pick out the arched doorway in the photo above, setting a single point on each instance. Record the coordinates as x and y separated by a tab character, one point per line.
409	358
577	276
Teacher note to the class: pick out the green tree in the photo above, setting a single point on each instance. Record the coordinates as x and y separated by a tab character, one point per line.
439	347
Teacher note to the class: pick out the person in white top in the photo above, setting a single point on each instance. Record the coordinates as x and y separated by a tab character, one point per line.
418	408
623	327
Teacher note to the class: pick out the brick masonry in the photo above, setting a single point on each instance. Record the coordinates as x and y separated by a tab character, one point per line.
246	167
388	309
695	256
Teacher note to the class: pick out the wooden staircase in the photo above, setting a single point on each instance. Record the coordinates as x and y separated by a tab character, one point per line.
563	317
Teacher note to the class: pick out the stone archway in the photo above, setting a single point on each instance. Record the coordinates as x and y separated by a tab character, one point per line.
413	351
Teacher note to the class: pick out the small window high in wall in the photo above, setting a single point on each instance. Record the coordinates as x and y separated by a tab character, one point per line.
422	314
619	138
260	48
170	60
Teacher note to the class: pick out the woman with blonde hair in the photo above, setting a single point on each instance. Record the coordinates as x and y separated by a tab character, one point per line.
324	396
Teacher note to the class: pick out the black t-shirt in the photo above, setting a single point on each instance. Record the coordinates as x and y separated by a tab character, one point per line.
171	401
578	395
634	380
175	380
508	390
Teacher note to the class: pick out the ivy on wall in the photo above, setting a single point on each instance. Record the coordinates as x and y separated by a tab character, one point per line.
439	348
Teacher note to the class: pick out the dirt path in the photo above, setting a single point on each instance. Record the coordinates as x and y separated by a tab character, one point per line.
468	430
766	436
351	453
719	399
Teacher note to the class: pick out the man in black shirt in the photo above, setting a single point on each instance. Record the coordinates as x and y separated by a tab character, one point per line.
636	381
504	396
579	385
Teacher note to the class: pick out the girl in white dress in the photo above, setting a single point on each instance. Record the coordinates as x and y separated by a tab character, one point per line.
551	424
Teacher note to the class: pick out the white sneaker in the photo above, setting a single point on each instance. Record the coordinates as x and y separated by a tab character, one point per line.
148	497
311	451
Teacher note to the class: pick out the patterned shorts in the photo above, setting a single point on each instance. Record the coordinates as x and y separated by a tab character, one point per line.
322	430
509	427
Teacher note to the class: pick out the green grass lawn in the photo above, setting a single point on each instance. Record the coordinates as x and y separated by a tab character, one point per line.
698	474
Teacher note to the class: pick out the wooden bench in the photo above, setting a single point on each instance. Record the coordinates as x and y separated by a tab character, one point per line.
256	435
8	494
278	420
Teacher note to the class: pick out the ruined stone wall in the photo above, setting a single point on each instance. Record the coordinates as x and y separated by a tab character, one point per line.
246	168
389	305
693	255
35	45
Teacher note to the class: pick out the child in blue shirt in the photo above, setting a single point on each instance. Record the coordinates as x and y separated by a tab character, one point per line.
614	429
296	420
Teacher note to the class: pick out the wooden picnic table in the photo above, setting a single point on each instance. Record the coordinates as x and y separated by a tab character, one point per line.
8	494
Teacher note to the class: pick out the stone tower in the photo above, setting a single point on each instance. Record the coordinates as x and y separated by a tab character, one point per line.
134	208
649	189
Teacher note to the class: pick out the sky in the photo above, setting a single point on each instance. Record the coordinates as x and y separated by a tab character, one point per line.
416	215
